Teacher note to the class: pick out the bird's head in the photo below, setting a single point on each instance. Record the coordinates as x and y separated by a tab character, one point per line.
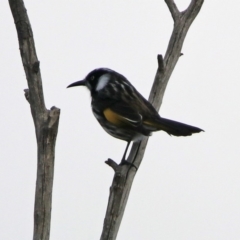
95	80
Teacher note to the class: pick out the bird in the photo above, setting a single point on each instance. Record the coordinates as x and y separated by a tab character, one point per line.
123	112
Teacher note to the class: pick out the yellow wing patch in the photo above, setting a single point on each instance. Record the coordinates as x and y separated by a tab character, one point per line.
113	117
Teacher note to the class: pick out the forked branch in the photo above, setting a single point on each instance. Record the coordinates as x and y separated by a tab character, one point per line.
125	174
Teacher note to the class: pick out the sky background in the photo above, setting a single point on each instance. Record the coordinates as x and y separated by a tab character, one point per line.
186	188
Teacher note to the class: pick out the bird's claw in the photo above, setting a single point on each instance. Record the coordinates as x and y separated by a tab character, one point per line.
125	162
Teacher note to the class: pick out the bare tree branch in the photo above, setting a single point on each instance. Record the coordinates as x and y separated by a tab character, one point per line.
125	174
45	121
173	9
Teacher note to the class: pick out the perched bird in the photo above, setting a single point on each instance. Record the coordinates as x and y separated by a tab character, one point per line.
123	112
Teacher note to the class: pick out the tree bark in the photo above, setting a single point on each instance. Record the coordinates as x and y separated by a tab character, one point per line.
124	174
45	121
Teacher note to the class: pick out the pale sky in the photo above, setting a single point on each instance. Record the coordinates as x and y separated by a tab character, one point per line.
186	188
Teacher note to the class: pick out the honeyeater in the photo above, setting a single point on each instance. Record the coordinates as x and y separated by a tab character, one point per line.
123	112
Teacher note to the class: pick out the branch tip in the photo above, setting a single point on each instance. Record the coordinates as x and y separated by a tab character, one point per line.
112	164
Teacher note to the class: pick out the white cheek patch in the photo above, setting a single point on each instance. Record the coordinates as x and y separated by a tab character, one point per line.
102	81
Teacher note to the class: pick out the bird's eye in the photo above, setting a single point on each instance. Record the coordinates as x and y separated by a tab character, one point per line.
92	78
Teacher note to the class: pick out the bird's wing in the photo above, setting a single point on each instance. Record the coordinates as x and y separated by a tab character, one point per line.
120	113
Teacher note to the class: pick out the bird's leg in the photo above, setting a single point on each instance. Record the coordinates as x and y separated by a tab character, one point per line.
124	161
125	152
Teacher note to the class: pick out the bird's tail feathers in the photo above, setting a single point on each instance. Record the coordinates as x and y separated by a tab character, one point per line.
175	128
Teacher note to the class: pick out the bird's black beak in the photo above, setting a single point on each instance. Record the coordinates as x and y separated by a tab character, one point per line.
78	83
